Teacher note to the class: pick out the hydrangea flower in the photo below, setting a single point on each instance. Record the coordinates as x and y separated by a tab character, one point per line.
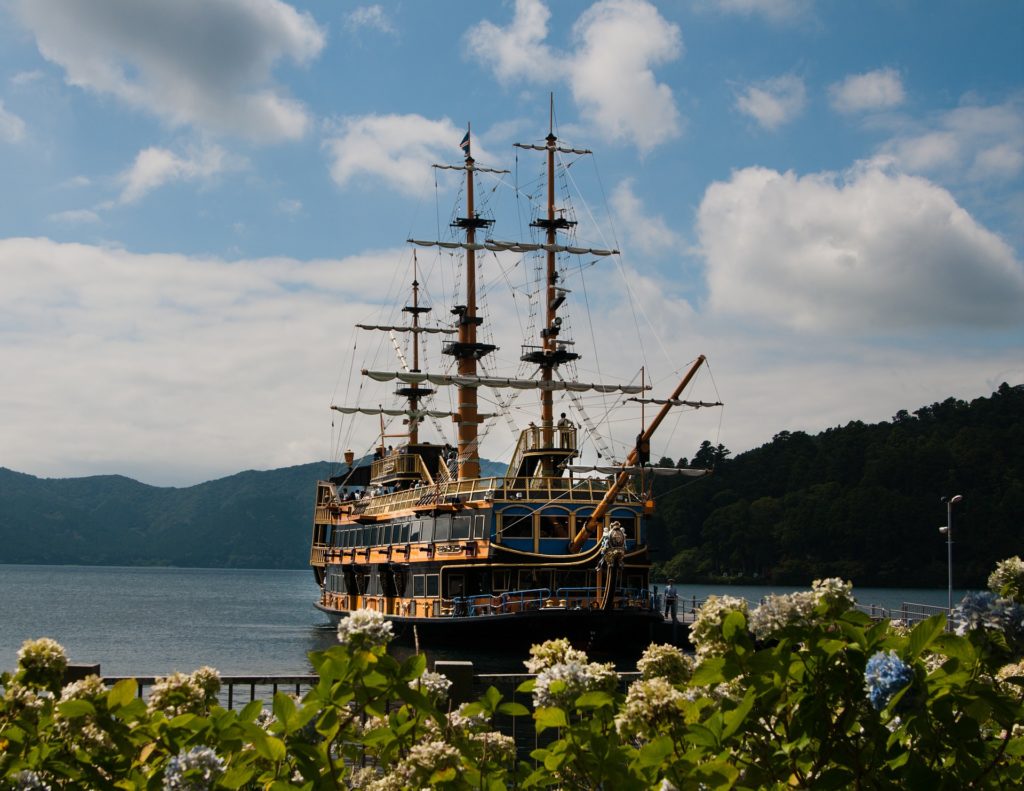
987	611
434	685
180	693
706	630
665	661
651	705
884	676
195	770
836	594
778	611
364	629
576	678
551	653
42	662
83	731
31	781
1008	579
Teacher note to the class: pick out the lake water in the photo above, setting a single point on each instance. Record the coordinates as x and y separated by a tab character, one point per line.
152	621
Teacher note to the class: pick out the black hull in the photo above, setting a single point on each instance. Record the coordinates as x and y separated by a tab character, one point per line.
585	629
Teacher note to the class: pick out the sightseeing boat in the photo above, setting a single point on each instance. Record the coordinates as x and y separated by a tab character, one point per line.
539	547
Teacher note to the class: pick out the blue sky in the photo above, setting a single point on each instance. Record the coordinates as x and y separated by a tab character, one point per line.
201	197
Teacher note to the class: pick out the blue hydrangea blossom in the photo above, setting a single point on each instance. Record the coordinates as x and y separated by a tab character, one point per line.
885	675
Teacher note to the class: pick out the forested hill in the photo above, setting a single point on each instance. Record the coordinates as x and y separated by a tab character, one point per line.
861	501
249	520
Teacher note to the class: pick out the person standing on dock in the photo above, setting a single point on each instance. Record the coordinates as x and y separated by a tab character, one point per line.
670	599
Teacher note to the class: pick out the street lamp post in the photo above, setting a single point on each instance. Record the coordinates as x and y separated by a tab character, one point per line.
948	530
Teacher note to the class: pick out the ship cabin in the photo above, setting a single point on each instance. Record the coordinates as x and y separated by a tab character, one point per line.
419	542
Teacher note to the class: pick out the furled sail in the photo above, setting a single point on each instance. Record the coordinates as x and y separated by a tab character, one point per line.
416	413
675	402
398	328
490	381
689	472
513	247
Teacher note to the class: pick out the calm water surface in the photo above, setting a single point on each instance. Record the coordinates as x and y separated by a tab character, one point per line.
152	621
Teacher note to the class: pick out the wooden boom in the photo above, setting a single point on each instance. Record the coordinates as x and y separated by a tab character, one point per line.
620	479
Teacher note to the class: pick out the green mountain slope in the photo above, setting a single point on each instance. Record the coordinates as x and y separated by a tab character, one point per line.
861	501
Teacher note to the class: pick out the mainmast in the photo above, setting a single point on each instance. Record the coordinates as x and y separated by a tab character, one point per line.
551	353
467	350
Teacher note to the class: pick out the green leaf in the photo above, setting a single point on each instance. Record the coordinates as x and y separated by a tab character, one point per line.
924	633
251	711
735	623
513	709
237	776
708	672
655	751
284	710
734	719
549	718
594	700
414	666
698	734
76	708
492	697
122	693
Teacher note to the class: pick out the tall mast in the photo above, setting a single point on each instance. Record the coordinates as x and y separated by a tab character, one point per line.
551	354
413	392
466	349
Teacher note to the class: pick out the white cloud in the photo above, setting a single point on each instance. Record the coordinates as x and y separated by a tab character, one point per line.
156	167
75	216
369	16
77	182
773	102
398	149
772	10
156	56
875	90
27	77
972	142
647	233
517	51
290	206
870	252
143	363
617	45
12	128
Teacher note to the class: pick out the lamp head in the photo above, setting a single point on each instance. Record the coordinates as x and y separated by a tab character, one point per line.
944	529
956	499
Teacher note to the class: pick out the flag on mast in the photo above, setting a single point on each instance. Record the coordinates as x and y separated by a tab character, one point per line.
464	145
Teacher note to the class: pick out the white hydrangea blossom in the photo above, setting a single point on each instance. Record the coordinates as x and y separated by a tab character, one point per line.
1008	579
651	705
42	661
835	593
177	694
495	746
364	629
195	770
778	611
31	781
83	731
706	630
551	653
578	678
434	685
665	661
18	698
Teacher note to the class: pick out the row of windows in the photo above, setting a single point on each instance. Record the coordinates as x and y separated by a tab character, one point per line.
512	524
441	529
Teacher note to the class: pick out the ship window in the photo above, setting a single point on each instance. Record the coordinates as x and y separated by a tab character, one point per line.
432	584
628	521
573	579
500	580
441	528
554	525
414	531
479	525
353	537
456	584
460	527
529	579
516	525
417	585
366	537
405	532
386	530
427	530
